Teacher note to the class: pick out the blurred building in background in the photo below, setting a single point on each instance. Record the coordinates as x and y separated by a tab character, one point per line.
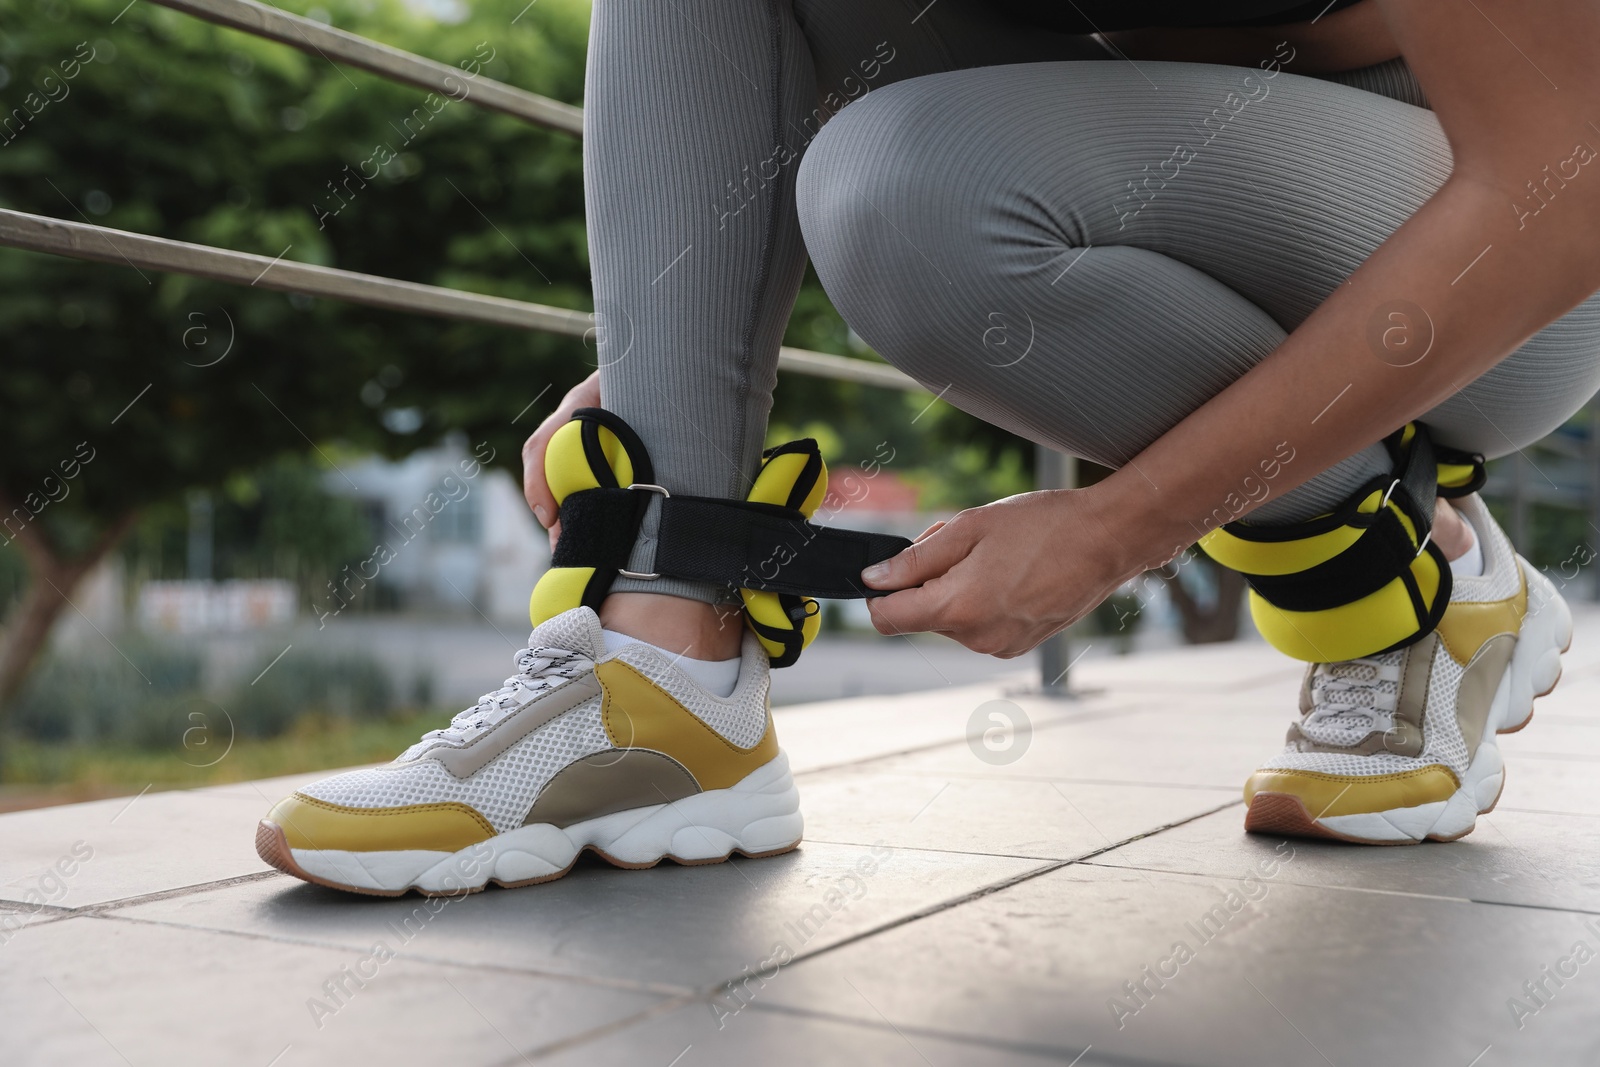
460	535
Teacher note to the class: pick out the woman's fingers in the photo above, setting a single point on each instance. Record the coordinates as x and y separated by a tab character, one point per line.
534	486
919	573
586	394
1001	578
938	549
910	611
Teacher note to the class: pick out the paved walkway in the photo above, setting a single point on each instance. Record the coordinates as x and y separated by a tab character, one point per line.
953	904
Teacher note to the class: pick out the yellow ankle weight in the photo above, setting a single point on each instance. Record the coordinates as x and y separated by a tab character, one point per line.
600	475
1363	579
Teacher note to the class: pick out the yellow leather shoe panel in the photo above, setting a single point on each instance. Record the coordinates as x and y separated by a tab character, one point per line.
1325	795
637	713
1468	624
311	823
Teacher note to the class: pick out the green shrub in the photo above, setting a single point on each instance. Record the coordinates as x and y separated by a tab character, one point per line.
151	696
137	693
340	685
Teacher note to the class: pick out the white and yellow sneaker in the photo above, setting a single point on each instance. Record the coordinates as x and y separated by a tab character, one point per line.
622	754
1400	747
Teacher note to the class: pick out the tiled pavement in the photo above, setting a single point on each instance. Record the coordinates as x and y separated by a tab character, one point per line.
954	903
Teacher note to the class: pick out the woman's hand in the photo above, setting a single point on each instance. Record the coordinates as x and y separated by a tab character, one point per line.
586	394
1003	577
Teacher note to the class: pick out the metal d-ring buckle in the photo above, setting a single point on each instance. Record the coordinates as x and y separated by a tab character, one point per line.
647	487
1423	547
1387	493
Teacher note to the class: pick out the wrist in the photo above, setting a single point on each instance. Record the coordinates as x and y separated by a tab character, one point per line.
1140	529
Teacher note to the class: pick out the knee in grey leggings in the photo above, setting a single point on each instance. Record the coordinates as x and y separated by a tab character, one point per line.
977	228
1077	249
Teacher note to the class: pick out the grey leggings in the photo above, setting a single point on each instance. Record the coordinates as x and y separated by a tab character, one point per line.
1079	249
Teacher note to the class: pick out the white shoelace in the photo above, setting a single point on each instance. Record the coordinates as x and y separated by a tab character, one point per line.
1351	699
539	670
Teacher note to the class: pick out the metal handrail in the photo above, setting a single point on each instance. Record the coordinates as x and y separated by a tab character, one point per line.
107	245
80	240
313	38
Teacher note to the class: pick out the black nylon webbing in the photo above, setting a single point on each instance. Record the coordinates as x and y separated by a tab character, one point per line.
1456	456
1419	475
602	524
1382	553
759	546
725	542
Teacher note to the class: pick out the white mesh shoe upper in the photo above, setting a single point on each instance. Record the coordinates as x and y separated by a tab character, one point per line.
503	790
1501	577
1351	699
1442	740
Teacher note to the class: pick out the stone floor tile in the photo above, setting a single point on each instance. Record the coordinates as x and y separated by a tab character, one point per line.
1301	976
1021	817
91	991
684	927
737	1033
1537	860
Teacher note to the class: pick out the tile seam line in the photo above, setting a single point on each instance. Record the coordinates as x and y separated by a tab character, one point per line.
58	918
1045	867
1534	907
1212	877
644	1015
1442	897
953	1036
980	776
954	852
175	891
1052	724
618	984
52	910
1551	811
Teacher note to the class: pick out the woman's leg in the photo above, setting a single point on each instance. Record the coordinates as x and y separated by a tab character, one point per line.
1074	254
697	114
1067	251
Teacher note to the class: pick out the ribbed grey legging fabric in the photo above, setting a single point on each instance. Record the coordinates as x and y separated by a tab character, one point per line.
971	214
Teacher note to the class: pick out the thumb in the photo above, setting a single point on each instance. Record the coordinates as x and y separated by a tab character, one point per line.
934	553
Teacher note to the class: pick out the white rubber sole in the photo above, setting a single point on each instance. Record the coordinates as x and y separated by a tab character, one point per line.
1534	670
759	816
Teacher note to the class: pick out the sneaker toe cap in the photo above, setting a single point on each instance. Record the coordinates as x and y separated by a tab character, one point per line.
1325	795
310	823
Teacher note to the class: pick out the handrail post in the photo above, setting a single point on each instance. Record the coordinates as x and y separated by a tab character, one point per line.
1053	470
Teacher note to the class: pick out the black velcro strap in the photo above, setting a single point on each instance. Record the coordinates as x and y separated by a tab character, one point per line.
599	527
1384	550
1418	473
741	544
762	546
1381	554
1459	458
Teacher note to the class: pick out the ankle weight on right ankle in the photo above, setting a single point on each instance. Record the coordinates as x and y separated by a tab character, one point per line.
1363	579
601	477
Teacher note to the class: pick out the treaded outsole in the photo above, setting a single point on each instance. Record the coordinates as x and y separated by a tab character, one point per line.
273	848
1286	815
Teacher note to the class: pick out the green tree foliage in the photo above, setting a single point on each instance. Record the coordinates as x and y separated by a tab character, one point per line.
142	385
955	460
123	389
276	522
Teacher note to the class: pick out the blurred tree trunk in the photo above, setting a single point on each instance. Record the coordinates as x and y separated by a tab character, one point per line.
1204	623
52	579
